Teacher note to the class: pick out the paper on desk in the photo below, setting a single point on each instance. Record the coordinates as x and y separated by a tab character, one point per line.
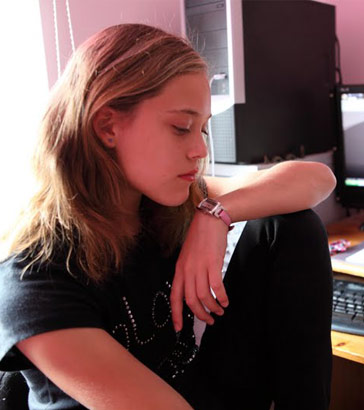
356	258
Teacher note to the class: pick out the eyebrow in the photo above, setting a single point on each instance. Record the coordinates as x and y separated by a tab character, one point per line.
188	111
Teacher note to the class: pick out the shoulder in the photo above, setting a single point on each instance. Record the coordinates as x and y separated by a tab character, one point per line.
11	272
41	299
19	269
44	284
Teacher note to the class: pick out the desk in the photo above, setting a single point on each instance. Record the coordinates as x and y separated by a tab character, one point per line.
344	345
348	350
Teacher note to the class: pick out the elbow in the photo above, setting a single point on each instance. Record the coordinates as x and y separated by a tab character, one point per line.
332	180
324	181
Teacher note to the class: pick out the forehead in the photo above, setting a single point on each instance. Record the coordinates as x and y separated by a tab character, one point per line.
188	94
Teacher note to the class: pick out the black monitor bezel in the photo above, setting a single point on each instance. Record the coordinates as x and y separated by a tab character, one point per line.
349	196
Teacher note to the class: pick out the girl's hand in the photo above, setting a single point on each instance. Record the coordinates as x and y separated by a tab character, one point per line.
199	269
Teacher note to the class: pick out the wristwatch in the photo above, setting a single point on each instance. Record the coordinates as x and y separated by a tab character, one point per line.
211	207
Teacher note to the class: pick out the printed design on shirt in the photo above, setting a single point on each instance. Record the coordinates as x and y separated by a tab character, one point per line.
160	313
160	299
183	354
185	348
120	328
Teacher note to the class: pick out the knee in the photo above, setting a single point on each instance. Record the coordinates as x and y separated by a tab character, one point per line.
302	227
295	236
299	235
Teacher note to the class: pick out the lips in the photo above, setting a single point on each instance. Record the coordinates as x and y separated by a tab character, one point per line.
189	176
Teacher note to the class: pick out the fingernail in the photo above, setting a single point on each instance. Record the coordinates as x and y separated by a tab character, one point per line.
220	312
211	322
225	304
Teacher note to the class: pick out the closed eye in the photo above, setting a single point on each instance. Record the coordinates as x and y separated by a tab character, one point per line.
183	131
180	130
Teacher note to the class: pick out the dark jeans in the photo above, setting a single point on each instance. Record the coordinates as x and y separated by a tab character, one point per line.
273	342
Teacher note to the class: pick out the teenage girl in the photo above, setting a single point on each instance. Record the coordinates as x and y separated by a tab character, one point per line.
119	249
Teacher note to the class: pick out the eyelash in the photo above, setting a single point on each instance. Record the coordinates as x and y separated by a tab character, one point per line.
183	131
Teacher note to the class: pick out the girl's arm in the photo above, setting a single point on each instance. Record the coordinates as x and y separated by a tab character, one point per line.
286	187
93	368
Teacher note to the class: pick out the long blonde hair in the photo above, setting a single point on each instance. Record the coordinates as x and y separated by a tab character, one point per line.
79	202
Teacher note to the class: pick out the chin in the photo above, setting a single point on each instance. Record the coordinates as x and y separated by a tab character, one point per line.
172	200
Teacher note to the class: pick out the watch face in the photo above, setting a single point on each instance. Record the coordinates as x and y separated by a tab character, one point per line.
209	204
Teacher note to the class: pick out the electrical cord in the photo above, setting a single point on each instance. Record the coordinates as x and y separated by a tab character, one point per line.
56	36
338	61
70	29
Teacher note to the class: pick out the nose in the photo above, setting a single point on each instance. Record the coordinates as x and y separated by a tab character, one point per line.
198	148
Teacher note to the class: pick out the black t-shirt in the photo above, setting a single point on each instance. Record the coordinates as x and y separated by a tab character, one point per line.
133	307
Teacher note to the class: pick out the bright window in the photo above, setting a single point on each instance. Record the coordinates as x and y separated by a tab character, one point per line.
24	89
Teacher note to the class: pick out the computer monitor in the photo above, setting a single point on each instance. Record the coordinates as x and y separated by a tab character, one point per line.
349	156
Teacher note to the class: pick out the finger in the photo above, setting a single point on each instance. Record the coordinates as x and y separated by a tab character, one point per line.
194	303
205	296
217	285
176	298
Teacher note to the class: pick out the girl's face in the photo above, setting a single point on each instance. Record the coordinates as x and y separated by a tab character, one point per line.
159	146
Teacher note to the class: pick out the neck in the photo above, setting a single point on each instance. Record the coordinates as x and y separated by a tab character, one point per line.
132	204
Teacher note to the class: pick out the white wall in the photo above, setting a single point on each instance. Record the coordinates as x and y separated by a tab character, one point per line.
90	16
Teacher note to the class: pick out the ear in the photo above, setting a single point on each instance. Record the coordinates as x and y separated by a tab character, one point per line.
104	126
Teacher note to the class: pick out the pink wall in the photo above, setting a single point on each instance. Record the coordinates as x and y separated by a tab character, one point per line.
350	31
90	16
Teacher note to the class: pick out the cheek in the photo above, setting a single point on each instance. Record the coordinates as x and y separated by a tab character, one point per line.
141	165
149	159
128	150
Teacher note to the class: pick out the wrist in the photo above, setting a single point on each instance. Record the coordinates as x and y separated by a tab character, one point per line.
213	208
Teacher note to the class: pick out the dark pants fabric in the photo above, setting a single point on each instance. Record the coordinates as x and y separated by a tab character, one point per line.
273	342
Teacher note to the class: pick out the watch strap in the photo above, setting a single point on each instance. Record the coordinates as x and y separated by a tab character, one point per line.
224	216
214	208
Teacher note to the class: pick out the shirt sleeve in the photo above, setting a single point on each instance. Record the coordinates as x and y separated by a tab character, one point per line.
37	302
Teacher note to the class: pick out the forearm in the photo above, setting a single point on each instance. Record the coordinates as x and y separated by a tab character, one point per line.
93	368
287	187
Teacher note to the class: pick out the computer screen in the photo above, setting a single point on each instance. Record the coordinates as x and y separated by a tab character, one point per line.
349	164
